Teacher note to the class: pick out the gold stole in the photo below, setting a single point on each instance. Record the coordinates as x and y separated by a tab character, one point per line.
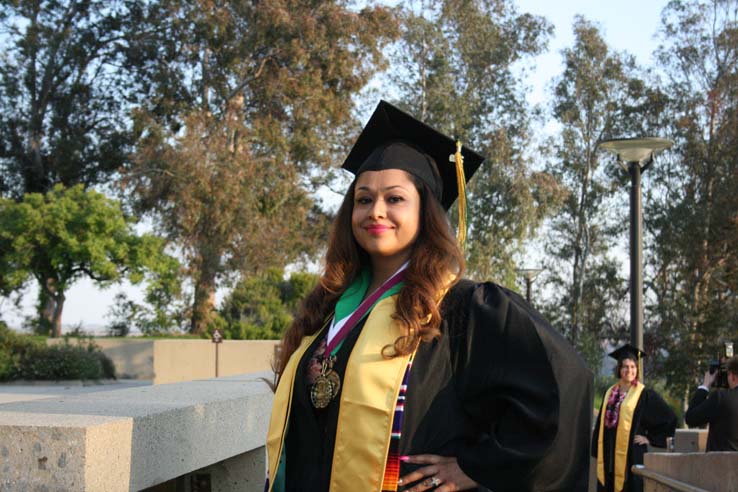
622	435
371	385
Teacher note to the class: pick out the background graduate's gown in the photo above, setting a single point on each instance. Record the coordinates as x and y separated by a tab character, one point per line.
500	390
652	418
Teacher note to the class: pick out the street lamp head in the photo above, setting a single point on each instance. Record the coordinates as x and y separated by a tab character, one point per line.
529	274
636	150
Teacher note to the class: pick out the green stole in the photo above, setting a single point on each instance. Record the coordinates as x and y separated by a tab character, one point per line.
371	385
622	435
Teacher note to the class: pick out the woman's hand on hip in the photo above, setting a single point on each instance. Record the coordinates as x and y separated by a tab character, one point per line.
639	439
442	474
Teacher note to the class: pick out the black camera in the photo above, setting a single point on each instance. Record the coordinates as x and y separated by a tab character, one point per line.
719	365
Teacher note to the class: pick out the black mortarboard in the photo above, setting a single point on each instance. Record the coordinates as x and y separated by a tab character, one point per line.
627	351
392	139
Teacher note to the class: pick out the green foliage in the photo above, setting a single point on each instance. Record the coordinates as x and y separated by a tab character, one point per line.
12	347
64	362
456	68
262	306
155	317
26	357
67	234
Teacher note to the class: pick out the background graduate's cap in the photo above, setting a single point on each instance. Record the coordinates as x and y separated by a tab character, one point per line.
627	351
392	139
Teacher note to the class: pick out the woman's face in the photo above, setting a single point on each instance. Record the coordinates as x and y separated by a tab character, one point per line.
386	215
628	371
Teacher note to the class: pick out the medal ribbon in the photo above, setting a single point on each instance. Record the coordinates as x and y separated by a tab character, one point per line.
389	287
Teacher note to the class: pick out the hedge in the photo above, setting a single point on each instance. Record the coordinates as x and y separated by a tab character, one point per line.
22	357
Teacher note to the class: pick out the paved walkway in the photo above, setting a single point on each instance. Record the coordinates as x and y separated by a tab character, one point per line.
12	392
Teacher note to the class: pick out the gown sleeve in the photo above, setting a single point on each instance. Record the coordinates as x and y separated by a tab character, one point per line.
528	394
596	432
658	420
702	408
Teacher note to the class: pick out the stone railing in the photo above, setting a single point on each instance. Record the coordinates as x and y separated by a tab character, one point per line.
211	431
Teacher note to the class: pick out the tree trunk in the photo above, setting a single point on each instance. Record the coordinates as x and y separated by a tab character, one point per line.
204	303
50	308
56	328
47	306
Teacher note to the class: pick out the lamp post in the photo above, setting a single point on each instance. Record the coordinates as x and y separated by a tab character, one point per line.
529	274
635	155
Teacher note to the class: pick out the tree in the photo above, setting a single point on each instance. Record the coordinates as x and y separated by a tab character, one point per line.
228	211
249	103
455	69
262	306
67	234
694	231
596	97
62	98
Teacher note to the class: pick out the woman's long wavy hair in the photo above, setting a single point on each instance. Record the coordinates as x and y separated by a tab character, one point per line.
436	263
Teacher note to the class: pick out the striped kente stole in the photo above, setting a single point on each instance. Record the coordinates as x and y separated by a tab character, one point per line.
392	468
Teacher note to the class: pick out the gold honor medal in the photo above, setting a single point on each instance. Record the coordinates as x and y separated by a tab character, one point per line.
326	385
335	381
321	392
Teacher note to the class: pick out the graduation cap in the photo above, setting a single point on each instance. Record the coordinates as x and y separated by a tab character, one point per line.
392	139
627	351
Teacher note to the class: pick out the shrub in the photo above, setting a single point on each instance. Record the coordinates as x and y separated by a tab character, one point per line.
6	365
60	362
13	348
23	357
108	368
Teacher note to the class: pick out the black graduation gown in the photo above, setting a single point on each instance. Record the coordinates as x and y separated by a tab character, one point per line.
500	390
652	418
720	410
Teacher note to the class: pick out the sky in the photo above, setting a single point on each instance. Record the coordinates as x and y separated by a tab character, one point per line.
627	25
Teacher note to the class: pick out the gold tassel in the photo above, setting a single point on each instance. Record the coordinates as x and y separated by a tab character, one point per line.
461	183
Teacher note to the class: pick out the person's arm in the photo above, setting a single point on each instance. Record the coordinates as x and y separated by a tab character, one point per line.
702	407
507	387
659	420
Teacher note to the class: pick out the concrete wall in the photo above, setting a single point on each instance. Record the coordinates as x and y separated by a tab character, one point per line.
131	439
171	360
133	359
187	360
715	472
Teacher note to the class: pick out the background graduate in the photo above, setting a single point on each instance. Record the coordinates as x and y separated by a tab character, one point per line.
631	417
398	374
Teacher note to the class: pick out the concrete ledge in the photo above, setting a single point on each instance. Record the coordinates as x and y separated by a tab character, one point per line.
690	440
716	472
131	439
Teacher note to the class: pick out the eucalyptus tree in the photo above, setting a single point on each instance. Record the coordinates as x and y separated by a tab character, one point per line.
598	96
248	104
694	232
460	66
63	99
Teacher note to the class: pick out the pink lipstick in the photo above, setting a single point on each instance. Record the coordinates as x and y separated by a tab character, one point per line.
377	229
